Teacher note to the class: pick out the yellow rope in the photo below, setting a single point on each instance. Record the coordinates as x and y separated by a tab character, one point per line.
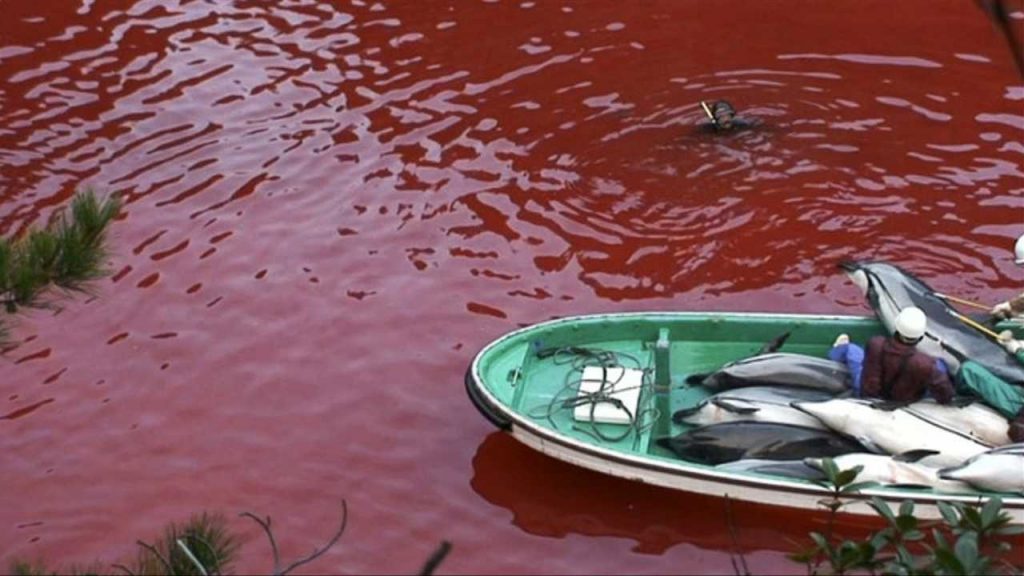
964	302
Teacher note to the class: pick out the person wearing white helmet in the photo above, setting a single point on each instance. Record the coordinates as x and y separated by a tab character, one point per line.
1014	306
977	379
974	379
894	369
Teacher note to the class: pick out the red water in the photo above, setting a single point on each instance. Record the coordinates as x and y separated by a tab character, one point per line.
332	206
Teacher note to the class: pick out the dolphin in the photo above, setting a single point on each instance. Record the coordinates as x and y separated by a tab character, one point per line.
784	468
754	403
900	470
893	431
889	289
998	470
975	419
778	369
719	443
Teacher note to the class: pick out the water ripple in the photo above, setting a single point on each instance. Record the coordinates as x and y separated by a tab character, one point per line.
328	206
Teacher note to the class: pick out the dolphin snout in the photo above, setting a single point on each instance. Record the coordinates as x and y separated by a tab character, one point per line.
798	405
948	473
813	463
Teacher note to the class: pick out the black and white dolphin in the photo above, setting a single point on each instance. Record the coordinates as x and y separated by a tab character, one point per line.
899	470
778	369
889	289
894	431
721	443
784	468
999	470
976	419
754	403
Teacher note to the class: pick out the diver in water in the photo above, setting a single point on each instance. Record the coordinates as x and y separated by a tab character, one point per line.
723	118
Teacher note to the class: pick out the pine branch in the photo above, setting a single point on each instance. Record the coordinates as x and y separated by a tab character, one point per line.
69	253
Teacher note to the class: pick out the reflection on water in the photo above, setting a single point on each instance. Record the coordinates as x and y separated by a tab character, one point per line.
330	205
532	485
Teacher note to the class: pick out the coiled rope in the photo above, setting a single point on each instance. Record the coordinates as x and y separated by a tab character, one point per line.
579	358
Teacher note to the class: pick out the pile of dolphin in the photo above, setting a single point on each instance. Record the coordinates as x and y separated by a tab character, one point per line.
781	414
889	289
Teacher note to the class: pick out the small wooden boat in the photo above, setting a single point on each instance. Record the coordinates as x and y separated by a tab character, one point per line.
527	382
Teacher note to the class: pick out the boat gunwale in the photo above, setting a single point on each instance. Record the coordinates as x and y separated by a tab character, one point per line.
504	413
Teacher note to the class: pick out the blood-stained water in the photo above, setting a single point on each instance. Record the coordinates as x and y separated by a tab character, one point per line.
331	206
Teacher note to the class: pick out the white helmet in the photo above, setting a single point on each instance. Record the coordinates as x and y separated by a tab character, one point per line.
910	323
1018	250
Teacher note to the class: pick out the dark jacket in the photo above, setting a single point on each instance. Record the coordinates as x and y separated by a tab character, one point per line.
897	371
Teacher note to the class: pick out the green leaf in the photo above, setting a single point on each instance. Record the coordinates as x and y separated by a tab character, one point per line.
828	466
907	508
948	562
949	514
970	518
849	555
880	539
866	554
966	551
913	535
990	512
905	522
847	476
905	557
858	486
820	541
883	509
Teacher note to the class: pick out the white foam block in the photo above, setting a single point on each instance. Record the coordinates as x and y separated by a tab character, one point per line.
623	384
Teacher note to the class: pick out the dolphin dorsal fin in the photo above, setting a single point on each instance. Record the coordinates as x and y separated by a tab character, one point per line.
889	405
774	344
680	416
734	408
914	455
909	485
